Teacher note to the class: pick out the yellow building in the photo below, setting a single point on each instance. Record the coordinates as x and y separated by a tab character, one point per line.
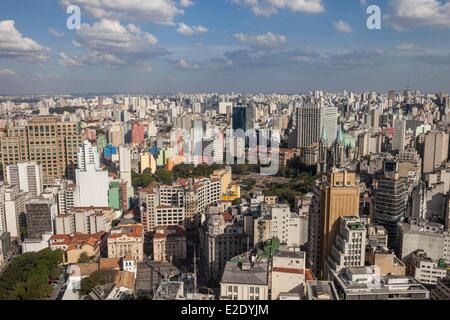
76	245
339	198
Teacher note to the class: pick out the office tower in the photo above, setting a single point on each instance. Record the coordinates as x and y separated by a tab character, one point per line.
125	164
92	182
26	175
40	215
137	133
47	141
398	142
244	118
390	200
310	122
349	248
337	196
435	151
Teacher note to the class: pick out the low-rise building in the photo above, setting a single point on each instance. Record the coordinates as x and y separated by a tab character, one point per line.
424	269
36	245
385	260
169	244
367	283
245	278
78	244
442	290
321	290
288	274
126	240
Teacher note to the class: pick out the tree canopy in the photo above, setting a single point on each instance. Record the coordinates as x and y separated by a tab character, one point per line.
29	275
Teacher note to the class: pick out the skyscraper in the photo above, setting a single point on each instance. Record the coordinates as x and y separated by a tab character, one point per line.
310	121
340	197
390	201
337	196
244	118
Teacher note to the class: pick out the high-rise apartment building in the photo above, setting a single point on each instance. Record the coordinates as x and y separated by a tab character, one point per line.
92	182
125	164
26	175
398	142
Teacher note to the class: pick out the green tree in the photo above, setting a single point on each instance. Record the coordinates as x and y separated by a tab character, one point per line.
100	277
163	176
28	276
84	258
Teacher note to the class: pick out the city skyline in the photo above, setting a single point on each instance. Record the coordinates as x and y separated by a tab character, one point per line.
235	45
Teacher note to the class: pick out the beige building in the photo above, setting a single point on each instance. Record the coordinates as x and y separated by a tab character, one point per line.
288	274
126	240
435	150
339	197
385	260
47	141
76	245
169	244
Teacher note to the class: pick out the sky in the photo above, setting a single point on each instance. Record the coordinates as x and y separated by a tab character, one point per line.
169	46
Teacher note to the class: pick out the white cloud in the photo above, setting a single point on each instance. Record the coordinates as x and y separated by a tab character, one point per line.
188	31
343	26
271	7
267	40
186	3
16	47
405	14
56	33
182	64
156	11
406	47
111	43
66	60
6	73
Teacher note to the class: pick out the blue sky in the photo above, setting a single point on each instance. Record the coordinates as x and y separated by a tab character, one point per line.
165	46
